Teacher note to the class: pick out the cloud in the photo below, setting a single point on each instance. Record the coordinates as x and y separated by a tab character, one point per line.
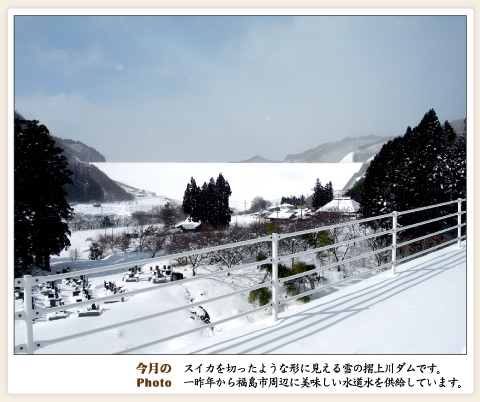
70	61
276	86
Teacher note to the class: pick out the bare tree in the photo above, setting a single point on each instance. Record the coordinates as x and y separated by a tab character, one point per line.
154	242
182	242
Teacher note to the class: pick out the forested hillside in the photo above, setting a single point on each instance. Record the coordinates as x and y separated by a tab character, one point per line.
425	166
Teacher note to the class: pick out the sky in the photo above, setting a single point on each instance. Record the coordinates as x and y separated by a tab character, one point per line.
224	88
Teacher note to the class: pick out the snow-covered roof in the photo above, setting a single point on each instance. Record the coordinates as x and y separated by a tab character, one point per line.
282	214
282	206
341	204
188	224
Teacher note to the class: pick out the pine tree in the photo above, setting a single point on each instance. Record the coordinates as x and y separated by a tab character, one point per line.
191	200
317	198
224	192
210	203
415	170
327	193
41	212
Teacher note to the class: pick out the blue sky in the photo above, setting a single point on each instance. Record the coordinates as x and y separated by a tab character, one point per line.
225	88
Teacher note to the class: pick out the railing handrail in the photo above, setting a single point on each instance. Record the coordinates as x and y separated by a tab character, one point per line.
28	282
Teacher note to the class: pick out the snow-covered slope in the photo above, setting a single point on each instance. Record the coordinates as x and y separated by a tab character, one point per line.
360	148
421	310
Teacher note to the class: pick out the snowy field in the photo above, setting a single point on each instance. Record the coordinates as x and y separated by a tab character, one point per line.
144	203
268	180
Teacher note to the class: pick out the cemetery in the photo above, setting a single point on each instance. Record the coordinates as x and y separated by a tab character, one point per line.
76	289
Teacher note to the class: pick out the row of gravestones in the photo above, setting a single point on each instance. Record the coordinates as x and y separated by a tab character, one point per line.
52	294
156	275
160	276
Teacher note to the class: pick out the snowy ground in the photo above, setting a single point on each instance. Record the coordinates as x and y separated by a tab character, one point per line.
144	203
422	310
416	319
427	297
378	299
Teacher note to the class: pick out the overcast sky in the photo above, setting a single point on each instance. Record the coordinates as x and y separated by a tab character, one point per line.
226	88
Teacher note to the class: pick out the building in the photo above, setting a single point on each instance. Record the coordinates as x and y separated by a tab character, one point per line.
344	205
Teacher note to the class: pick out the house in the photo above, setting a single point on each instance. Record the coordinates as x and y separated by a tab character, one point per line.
188	225
282	215
281	207
344	205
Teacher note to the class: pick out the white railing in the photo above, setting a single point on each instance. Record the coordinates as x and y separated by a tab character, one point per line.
28	283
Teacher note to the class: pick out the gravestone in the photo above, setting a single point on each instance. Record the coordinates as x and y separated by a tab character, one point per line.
176	276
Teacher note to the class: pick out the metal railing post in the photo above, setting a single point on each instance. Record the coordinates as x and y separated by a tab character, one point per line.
28	308
394	242
275	277
459	223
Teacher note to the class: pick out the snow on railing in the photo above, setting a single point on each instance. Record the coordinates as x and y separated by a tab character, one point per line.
31	312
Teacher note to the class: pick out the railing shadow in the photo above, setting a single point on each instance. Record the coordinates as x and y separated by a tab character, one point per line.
315	319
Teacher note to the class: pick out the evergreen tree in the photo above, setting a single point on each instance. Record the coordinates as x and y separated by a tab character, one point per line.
321	195
327	193
210	203
41	212
317	198
191	197
355	192
224	192
456	186
426	166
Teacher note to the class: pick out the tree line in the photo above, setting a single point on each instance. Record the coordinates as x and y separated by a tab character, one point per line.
209	203
425	166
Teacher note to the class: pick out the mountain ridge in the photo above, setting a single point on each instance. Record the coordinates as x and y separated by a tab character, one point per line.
349	149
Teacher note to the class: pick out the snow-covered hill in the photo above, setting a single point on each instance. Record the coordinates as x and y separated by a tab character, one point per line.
360	149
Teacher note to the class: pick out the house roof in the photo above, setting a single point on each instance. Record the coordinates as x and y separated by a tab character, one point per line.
341	204
282	214
188	224
282	206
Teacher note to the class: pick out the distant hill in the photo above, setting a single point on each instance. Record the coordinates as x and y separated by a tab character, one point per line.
257	159
357	149
83	152
90	184
349	149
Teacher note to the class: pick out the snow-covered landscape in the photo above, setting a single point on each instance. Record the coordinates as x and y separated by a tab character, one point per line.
422	310
123	338
247	180
428	297
255	202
